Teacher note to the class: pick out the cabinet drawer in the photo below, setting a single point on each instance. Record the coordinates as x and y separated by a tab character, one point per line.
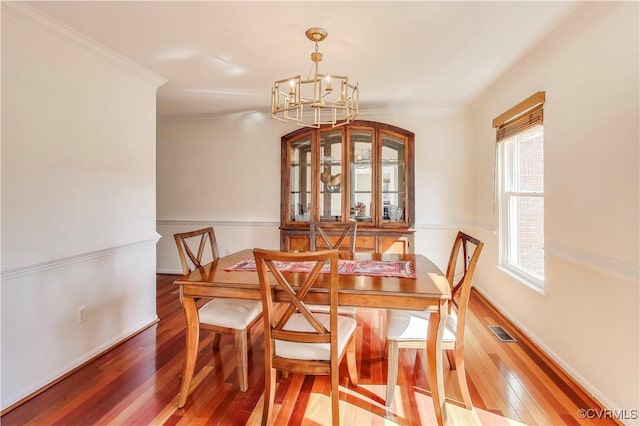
301	243
297	243
369	242
398	245
365	243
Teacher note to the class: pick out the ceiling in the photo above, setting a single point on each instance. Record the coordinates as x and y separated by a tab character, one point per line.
222	57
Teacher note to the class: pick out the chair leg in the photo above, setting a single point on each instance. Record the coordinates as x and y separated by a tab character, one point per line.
462	378
242	359
392	370
335	394
351	361
216	340
269	394
450	358
384	320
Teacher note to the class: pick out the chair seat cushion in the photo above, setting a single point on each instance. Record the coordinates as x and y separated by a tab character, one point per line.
412	325
314	351
231	313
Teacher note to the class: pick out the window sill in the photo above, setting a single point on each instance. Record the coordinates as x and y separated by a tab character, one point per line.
527	280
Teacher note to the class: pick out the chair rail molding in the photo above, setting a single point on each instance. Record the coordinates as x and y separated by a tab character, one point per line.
82	257
215	223
592	260
443	225
489	227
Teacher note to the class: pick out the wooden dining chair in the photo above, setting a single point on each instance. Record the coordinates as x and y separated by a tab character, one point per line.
319	238
298	340
345	230
408	329
220	315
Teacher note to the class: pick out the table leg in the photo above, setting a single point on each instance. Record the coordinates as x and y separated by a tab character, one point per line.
435	333
193	335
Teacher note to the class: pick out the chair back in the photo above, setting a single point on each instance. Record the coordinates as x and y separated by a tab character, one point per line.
346	230
295	287
202	238
462	265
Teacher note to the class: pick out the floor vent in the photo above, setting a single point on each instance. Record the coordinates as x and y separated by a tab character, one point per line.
501	333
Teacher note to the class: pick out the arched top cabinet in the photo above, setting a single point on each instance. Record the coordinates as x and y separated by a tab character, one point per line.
363	172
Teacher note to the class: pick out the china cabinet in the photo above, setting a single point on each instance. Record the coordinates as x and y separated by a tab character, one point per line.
363	172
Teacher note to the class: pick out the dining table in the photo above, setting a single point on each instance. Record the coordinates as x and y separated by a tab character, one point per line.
428	289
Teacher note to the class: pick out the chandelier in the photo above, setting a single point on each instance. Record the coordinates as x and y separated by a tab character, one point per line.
314	102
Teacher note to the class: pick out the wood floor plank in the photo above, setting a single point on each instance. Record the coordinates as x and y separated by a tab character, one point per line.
137	382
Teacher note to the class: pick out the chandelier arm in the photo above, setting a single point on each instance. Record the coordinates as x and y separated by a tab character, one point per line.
316	93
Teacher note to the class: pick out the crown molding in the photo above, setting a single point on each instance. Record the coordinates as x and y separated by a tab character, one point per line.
31	15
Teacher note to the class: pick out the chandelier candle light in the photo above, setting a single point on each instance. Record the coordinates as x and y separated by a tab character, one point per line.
312	102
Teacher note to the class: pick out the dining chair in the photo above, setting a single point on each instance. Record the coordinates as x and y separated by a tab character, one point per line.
408	329
346	230
318	234
298	340
220	315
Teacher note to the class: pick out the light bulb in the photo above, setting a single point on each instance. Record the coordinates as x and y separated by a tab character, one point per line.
328	88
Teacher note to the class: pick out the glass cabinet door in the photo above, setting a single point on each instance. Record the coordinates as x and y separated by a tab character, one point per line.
361	168
360	172
300	179
392	177
331	176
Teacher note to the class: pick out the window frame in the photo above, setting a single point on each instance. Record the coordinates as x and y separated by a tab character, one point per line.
506	193
515	121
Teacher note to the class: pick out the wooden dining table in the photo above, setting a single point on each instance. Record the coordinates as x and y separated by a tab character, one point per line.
429	290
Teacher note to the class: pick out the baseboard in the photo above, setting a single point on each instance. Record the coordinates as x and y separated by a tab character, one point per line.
165	271
548	355
79	366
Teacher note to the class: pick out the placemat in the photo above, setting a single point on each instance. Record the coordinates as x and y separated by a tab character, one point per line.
374	268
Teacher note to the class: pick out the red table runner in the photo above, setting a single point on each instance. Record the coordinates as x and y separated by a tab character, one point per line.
375	268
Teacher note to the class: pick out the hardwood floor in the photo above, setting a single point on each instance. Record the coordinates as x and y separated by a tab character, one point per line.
137	383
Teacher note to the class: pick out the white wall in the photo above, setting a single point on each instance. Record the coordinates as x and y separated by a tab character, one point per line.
588	317
225	172
78	199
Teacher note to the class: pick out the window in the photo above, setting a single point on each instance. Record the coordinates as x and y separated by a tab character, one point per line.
520	161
